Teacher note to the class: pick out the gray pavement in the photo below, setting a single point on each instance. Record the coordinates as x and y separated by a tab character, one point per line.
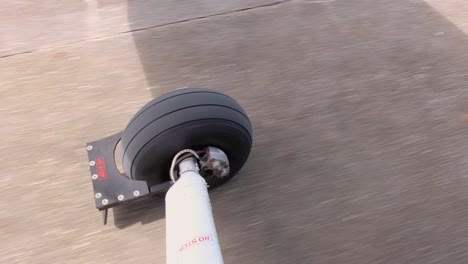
359	110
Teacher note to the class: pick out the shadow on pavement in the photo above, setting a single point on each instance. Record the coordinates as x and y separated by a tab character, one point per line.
355	106
144	210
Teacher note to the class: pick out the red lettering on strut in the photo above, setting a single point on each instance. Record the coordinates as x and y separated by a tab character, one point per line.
204	238
197	240
101	168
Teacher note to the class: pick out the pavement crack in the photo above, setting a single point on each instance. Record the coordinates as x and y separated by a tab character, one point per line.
148	28
210	16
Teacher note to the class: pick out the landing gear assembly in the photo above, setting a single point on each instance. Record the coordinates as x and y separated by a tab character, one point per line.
182	144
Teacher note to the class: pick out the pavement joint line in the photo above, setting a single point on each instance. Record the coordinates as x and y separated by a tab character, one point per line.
146	28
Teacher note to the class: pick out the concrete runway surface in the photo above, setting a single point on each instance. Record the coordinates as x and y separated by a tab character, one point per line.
360	113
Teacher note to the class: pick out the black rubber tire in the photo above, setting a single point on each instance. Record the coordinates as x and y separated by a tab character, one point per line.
187	118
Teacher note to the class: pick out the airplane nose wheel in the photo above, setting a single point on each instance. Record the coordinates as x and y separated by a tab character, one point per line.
194	119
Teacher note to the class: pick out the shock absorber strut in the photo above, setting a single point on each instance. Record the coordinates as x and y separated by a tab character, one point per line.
191	235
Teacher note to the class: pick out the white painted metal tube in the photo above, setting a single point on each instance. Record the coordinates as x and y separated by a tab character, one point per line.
190	229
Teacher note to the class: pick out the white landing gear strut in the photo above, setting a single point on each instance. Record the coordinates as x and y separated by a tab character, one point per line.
190	229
